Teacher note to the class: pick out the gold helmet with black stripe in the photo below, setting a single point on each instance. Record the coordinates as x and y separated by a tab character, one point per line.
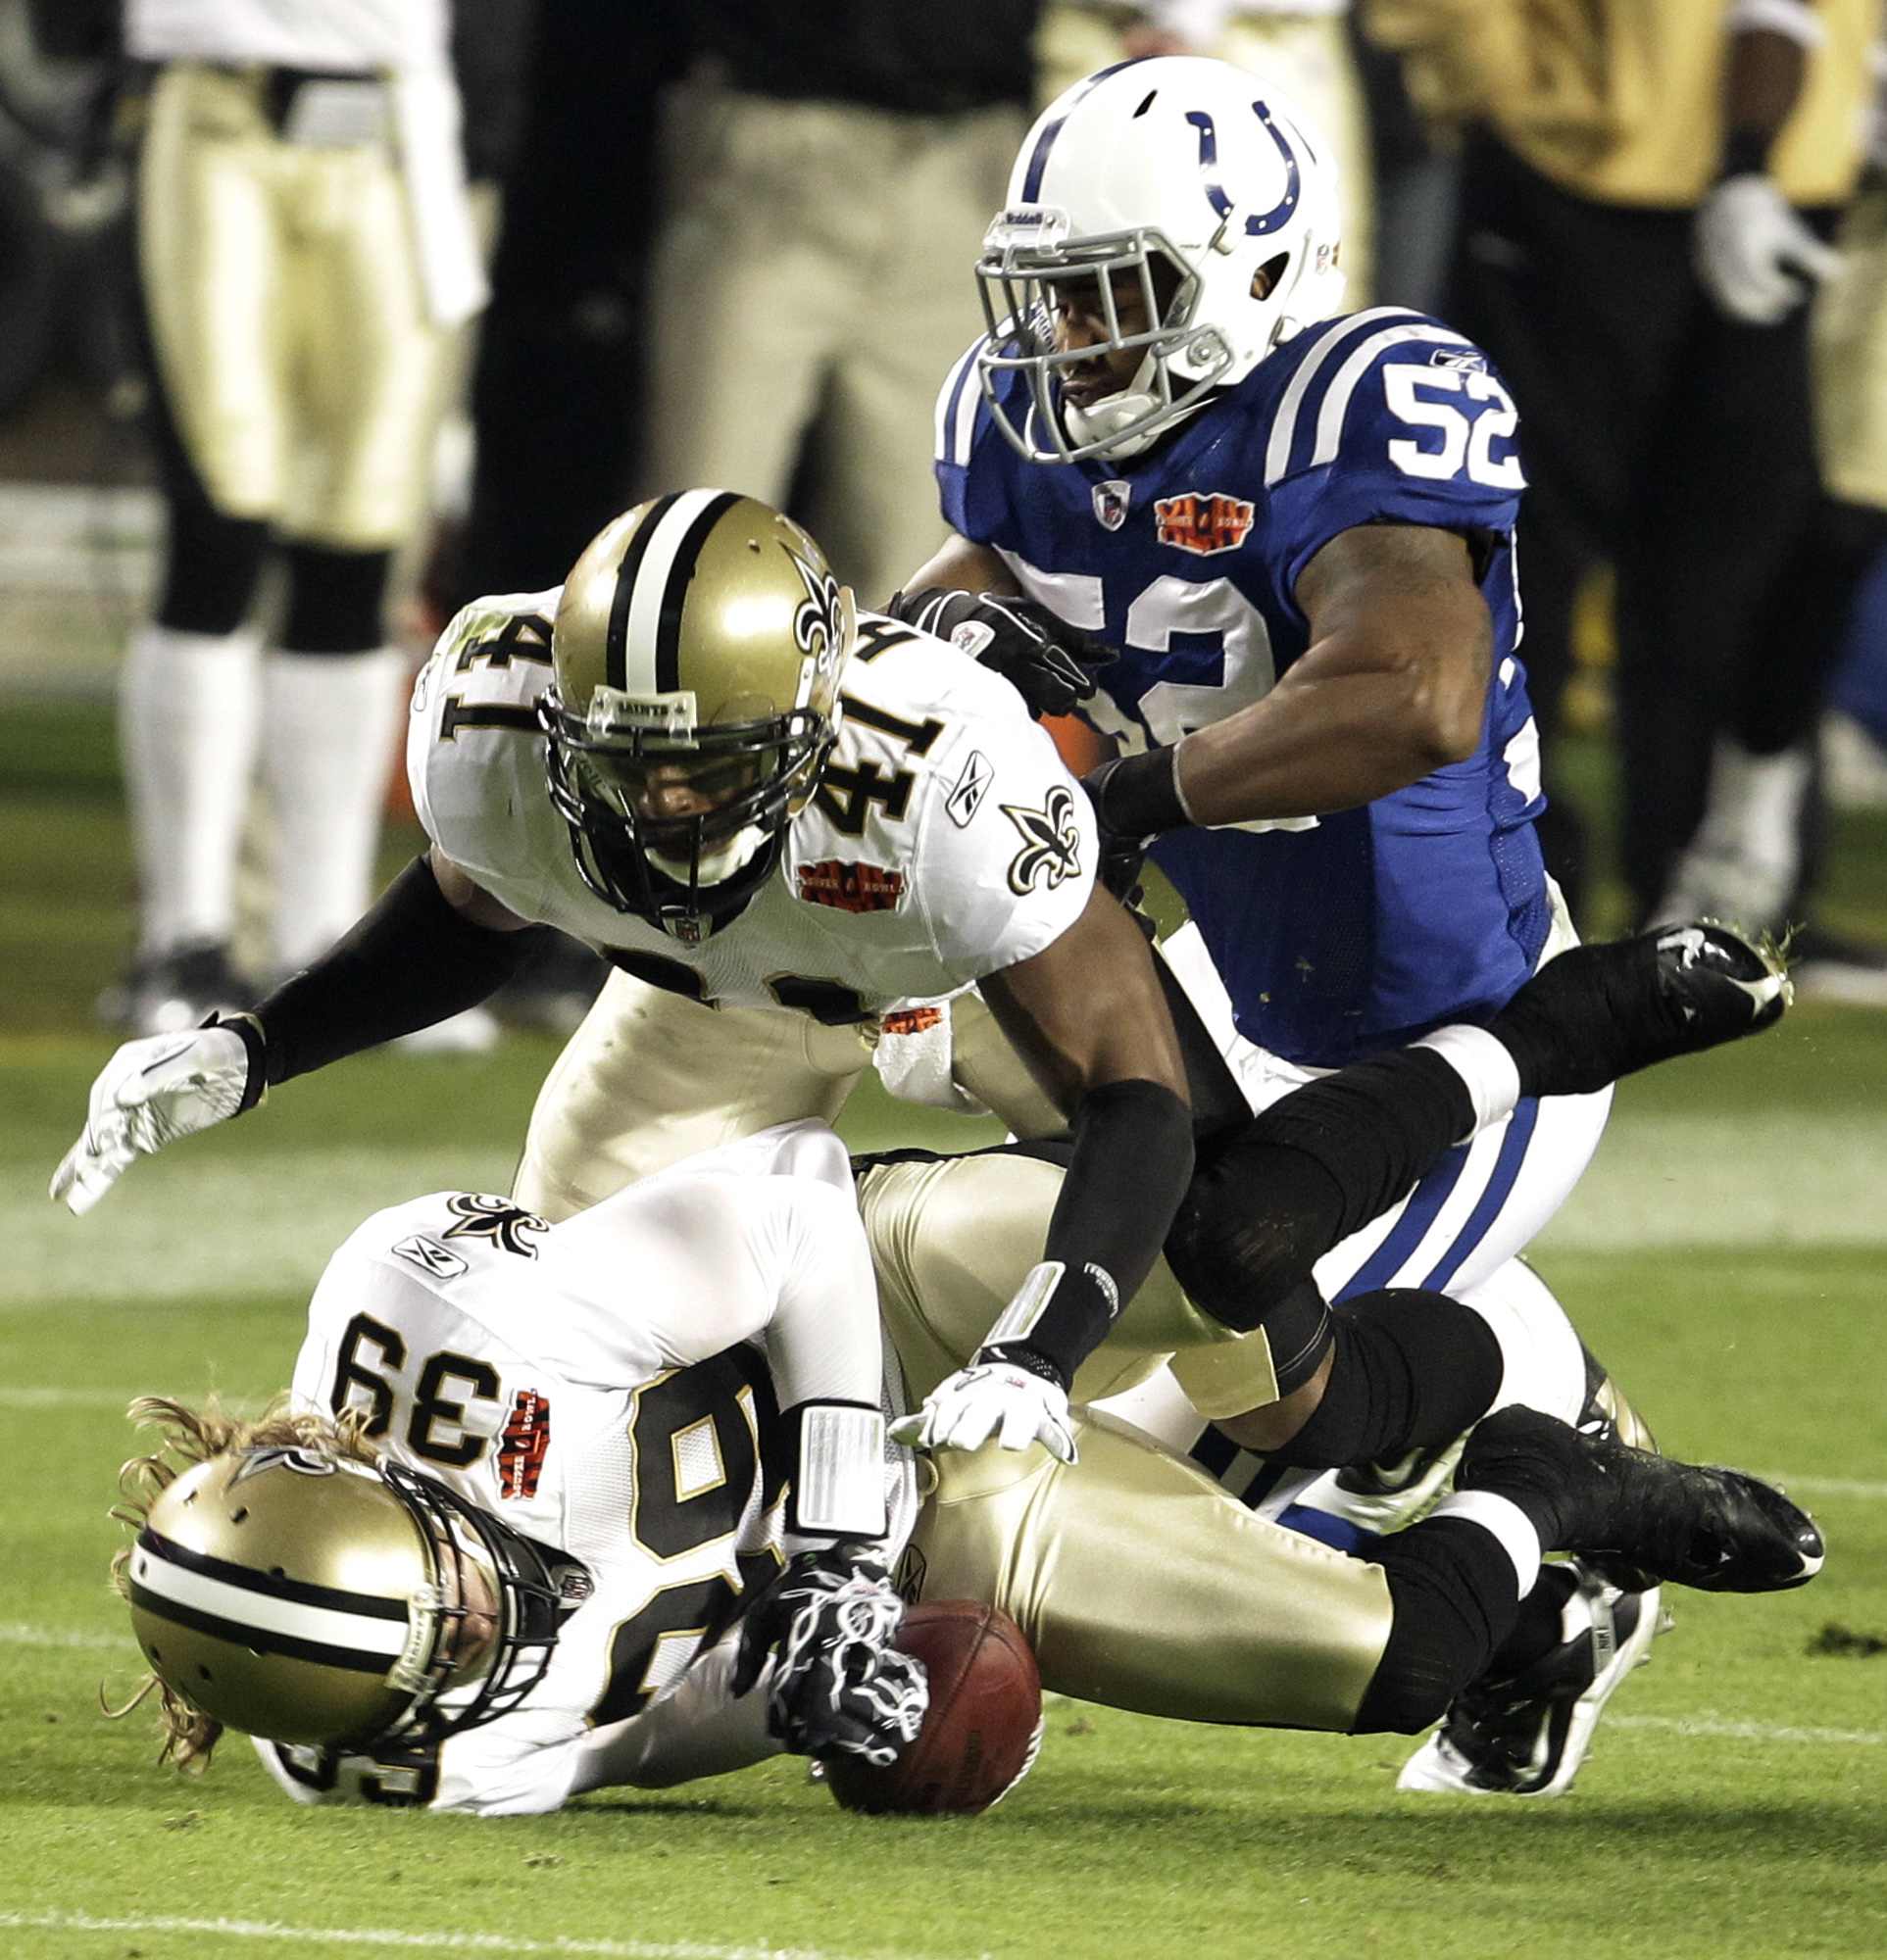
296	1594
697	653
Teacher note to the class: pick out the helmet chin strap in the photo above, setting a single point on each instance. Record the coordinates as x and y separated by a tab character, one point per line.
1115	412
716	867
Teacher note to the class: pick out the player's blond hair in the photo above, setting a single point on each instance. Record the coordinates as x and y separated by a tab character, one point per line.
190	1437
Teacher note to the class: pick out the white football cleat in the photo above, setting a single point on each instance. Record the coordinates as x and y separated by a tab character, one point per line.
1527	1734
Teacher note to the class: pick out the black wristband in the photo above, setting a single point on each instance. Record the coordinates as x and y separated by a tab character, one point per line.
1138	796
1745	153
1133	1160
256	1047
410	961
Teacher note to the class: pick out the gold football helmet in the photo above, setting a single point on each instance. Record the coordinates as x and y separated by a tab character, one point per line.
697	650
296	1595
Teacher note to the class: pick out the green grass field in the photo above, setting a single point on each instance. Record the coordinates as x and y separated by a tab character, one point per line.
1727	1255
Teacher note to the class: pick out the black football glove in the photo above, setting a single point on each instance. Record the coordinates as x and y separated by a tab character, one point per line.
840	1686
1134	802
1045	660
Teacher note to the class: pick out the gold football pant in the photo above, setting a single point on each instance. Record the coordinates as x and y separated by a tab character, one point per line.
650	1078
1143	1585
285	309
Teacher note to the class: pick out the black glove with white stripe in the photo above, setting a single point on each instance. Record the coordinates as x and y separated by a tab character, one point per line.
839	1687
1046	661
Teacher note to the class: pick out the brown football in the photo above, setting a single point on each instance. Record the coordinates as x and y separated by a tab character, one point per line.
979	1732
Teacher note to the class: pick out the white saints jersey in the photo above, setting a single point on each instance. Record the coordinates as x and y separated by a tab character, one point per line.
946	840
595	1385
336	35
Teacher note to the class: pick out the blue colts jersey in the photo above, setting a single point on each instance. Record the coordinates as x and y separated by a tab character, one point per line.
1361	929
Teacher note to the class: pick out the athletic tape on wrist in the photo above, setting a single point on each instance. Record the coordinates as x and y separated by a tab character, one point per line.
1026	1308
838	1479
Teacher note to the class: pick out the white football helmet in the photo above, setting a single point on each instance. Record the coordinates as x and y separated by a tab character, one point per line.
1175	160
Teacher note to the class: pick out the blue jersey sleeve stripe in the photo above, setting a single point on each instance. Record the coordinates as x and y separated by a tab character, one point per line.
1277	451
1336	398
949	407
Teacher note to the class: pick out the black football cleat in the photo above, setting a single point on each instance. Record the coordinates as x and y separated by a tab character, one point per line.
1598	1012
1525	1734
1718	1530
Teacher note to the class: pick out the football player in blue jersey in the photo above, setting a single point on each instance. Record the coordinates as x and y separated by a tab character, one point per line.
1296	528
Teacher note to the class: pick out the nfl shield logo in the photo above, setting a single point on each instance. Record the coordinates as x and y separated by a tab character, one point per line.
1110	504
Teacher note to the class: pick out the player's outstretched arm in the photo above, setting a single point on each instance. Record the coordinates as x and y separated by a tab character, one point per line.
1088	1017
1393	687
433	944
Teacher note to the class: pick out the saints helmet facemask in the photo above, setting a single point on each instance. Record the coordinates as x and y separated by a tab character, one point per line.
296	1595
697	653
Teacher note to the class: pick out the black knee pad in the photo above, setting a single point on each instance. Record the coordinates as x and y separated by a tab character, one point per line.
1254	1221
336	600
1412	1370
1455	1599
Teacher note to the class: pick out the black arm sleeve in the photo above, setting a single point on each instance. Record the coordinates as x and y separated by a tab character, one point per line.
1133	1157
410	961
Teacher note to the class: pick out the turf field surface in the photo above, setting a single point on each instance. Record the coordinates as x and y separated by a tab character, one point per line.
1724	1256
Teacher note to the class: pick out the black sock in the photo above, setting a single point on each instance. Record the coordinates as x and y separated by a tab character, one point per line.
1452	1588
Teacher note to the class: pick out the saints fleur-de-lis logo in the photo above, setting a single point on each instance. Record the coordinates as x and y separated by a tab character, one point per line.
818	619
1050	843
495	1219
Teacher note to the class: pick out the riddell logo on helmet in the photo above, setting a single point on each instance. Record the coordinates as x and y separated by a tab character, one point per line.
1204	521
851	888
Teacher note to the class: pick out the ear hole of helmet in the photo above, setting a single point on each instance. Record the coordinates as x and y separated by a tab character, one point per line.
1270	275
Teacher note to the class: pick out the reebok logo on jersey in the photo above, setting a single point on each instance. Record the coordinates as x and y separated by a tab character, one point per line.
1050	843
1111	500
522	1449
435	1259
966	795
851	888
1205	521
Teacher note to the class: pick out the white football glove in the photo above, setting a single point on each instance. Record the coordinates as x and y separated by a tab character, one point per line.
150	1093
991	1398
1750	245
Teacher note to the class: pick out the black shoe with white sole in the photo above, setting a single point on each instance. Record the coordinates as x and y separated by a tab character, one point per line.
1525	1733
1718	1530
1597	1013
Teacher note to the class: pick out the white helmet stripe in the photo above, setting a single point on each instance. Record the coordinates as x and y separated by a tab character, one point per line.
164	1583
654	582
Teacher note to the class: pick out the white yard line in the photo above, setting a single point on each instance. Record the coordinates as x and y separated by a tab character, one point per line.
61	1637
439	1942
1749	1731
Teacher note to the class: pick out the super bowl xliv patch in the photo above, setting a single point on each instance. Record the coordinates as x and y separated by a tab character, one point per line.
1050	843
1204	521
1111	500
523	1446
851	888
